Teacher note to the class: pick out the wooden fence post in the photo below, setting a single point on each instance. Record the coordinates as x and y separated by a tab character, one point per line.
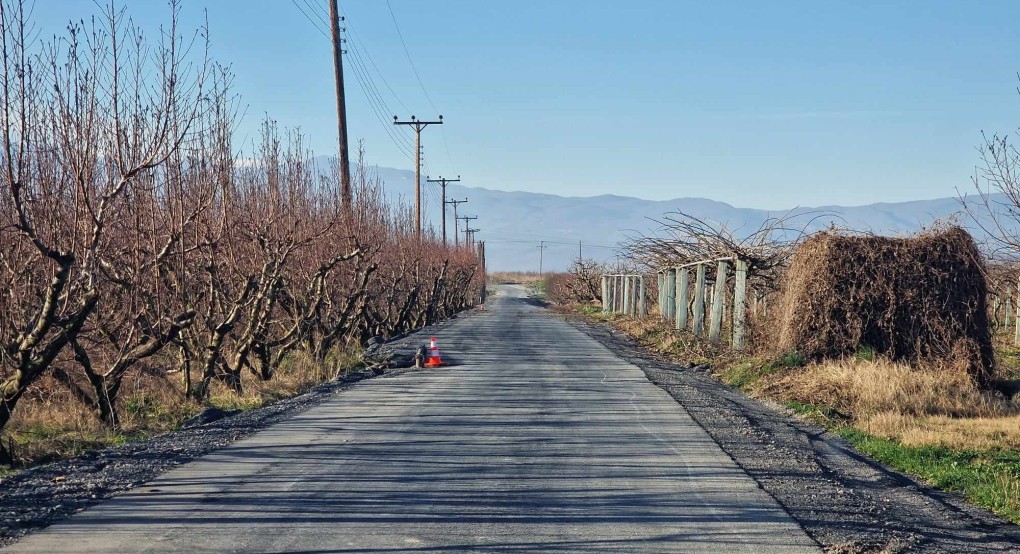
642	302
633	295
699	301
683	297
739	305
607	304
610	284
1016	332
617	300
605	293
1009	309
995	310
662	308
718	299
670	292
626	295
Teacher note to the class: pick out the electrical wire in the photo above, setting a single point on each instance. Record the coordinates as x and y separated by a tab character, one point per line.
357	39
367	83
375	100
310	20
526	237
408	53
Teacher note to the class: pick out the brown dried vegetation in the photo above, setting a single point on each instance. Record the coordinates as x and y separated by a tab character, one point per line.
919	299
142	253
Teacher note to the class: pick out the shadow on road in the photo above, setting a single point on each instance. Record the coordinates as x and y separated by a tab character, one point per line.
539	303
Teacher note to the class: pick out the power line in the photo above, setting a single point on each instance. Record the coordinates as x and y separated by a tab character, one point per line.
371	60
354	50
375	101
317	9
309	18
408	53
528	237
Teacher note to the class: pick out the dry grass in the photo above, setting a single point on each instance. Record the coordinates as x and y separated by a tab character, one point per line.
50	424
971	433
896	401
513	277
660	336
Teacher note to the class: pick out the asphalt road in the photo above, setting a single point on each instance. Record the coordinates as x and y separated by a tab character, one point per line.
537	439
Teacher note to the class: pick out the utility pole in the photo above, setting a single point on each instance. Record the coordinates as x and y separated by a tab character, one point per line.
470	233
418	125
467	225
541	253
443	182
346	196
456	226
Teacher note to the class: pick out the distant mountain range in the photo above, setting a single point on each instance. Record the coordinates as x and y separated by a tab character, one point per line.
513	224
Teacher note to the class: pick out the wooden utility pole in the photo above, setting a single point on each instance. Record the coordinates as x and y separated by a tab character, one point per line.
467	224
469	237
456	226
541	253
443	182
346	196
418	125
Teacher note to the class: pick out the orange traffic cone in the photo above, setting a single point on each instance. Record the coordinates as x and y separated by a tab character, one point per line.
434	359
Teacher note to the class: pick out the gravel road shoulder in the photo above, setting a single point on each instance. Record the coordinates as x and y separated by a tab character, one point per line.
37	497
845	501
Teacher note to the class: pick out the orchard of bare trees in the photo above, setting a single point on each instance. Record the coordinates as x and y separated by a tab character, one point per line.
136	238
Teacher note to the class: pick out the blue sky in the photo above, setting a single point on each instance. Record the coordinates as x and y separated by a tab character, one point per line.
758	104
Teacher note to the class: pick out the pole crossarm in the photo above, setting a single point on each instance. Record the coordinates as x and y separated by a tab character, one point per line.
417	125
443	182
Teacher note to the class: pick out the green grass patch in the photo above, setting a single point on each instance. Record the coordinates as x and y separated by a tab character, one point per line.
990	478
866	353
744	373
1007	361
39	444
540	288
821	414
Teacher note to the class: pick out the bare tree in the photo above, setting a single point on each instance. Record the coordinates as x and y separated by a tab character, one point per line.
684	238
83	125
995	207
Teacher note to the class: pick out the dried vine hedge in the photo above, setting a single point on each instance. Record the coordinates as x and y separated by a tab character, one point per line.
921	299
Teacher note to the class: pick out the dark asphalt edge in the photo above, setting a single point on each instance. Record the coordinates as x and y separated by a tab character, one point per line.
844	500
37	497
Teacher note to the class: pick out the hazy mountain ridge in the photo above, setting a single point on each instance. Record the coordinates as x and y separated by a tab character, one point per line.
513	222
